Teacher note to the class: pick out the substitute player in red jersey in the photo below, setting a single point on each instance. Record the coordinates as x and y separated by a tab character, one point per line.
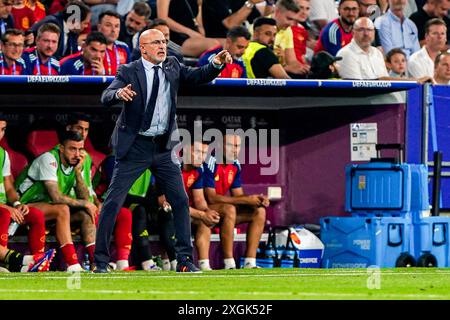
11	209
40	59
117	52
224	177
204	216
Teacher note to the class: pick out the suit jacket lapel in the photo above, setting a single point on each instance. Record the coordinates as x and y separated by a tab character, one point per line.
140	71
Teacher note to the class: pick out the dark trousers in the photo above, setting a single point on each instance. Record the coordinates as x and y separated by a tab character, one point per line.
144	154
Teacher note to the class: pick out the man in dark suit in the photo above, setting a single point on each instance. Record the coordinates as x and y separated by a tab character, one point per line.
71	25
145	134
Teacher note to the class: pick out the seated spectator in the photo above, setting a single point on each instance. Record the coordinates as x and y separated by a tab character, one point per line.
23	16
100	6
362	61
431	9
133	23
80	124
396	63
6	18
259	59
285	15
442	69
338	33
421	63
323	66
162	26
322	13
117	52
220	16
185	23
300	32
68	43
237	41
90	60
38	9
223	187
12	210
397	31
40	59
11	63
47	185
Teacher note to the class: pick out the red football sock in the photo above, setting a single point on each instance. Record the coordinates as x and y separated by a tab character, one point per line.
36	236
122	234
90	248
5	218
69	254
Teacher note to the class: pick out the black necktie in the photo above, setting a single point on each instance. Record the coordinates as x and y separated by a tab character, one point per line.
147	120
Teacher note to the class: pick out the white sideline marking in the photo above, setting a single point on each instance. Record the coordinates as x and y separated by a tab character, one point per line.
281	294
131	275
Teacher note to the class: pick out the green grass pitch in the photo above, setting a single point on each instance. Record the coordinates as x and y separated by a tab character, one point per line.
259	284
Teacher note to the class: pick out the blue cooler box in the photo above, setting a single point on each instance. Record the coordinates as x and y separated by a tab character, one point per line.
358	242
431	241
380	189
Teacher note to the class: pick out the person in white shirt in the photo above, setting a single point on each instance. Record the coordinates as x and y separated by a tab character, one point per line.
421	63
442	68
360	60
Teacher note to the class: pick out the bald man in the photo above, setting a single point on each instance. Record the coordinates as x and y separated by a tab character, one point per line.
145	135
361	61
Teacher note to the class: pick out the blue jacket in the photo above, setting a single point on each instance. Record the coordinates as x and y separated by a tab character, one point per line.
130	119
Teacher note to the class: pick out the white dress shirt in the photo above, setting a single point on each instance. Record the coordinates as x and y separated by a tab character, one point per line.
358	64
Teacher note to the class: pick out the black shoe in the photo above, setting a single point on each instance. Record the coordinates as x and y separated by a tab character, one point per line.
99	269
186	265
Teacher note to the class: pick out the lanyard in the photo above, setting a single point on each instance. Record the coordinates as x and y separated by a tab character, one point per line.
108	59
2	27
38	65
13	68
83	73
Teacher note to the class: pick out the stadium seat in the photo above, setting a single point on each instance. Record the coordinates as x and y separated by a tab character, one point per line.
40	141
18	160
97	156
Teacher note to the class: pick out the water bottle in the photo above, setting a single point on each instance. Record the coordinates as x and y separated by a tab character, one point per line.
86	264
12	228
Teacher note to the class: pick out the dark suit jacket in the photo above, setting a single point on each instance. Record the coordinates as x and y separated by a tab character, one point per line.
129	122
72	45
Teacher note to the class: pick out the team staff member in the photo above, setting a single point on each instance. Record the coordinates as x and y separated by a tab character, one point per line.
143	139
40	60
117	52
11	63
81	124
89	61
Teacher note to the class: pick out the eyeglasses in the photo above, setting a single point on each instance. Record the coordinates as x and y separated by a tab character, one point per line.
364	30
156	42
15	45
